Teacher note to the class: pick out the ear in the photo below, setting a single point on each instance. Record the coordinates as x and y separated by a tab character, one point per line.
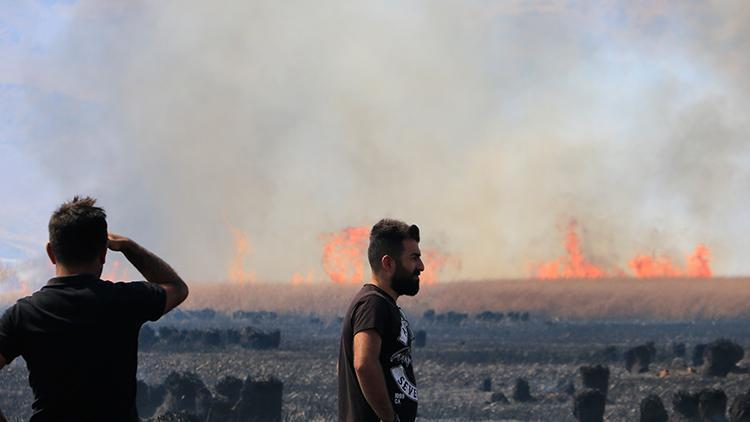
51	254
387	264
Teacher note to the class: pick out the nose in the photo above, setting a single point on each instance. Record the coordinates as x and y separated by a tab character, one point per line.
420	266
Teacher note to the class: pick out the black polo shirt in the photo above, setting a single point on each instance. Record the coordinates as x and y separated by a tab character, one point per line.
79	338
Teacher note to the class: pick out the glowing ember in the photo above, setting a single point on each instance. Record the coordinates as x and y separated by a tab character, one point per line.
238	272
575	264
344	255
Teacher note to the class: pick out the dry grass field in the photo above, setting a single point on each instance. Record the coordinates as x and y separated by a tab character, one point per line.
601	298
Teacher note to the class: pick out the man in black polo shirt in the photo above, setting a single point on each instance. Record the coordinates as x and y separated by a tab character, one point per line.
79	334
375	373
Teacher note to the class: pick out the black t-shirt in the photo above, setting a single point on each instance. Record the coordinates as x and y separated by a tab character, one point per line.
79	338
372	308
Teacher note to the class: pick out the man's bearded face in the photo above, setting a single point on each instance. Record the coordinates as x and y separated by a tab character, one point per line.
404	281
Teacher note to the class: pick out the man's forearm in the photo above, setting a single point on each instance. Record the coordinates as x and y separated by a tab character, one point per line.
154	269
372	382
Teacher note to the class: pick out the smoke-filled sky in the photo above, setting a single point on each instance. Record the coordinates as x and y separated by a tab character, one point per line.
489	124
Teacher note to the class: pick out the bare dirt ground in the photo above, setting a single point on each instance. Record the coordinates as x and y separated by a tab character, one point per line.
457	358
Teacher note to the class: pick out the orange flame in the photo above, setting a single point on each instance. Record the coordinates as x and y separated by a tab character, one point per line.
434	262
698	265
645	266
576	265
117	272
344	255
298	279
242	252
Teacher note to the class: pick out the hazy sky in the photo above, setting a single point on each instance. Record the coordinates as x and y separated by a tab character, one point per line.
488	123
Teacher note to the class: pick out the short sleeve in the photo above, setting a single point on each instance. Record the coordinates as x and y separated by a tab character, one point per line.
9	342
141	300
371	313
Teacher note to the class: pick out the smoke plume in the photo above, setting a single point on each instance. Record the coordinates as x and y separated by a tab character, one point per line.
488	125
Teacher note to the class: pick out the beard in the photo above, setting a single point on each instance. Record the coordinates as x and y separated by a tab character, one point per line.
405	282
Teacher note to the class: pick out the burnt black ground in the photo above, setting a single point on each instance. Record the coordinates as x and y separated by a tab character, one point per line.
450	369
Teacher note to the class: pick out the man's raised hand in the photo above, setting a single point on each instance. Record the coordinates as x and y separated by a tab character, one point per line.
153	269
117	243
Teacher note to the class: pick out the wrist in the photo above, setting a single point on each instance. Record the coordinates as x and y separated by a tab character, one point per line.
128	246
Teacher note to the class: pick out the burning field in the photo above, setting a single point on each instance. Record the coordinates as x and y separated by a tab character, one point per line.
571	286
646	286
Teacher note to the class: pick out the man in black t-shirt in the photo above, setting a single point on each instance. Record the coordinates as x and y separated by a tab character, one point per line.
375	374
79	334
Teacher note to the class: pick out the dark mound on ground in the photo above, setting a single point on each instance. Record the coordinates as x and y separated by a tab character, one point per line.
740	410
186	398
489	316
685	406
712	405
185	392
639	358
697	357
595	378
173	339
652	409
522	391
260	401
420	339
588	406
721	357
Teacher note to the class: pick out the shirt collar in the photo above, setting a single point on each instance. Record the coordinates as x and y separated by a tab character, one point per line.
72	280
382	291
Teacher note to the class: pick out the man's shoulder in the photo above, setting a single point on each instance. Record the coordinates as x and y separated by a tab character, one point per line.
25	302
7	311
24	306
136	284
373	302
137	290
371	297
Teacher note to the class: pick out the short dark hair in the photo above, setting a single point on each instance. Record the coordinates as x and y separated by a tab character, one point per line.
387	238
78	231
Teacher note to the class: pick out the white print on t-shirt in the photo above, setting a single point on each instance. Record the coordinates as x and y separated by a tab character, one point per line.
403	383
402	357
397	397
404	335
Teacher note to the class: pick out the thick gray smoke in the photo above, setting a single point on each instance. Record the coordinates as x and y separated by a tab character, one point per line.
489	124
